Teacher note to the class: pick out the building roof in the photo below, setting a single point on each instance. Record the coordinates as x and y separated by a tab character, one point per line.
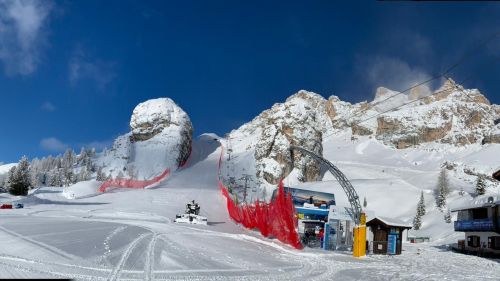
390	222
479	202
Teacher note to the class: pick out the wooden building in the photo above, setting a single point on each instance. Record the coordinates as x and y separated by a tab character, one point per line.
386	235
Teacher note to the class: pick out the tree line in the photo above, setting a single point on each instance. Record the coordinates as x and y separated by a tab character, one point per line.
62	170
441	193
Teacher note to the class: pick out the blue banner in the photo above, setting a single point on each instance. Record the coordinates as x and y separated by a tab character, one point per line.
391	244
474	225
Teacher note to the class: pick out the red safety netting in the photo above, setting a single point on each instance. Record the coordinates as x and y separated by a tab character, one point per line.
275	219
130	183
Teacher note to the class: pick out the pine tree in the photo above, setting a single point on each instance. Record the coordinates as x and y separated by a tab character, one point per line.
442	189
480	185
447	216
417	221
20	182
364	202
421	205
83	175
9	178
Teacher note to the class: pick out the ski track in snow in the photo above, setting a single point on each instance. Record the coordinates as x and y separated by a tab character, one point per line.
107	241
150	258
116	272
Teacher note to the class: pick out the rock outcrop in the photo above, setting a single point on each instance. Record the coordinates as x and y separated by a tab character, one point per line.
300	122
160	138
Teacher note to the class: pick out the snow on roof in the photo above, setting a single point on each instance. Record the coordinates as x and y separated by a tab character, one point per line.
392	221
480	201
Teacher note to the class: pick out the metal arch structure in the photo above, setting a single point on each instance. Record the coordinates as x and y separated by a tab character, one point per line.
349	190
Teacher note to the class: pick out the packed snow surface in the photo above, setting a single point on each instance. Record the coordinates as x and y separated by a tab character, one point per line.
130	234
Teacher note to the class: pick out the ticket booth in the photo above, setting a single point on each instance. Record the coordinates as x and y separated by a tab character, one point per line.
387	235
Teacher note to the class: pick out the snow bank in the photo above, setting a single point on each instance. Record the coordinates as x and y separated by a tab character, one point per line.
82	189
4	169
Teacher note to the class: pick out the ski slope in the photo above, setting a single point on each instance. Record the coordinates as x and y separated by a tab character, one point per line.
129	234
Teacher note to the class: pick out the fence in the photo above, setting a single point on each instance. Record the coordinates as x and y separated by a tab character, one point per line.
274	219
130	183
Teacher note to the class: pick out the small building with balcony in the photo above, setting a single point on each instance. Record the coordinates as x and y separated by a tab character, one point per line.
480	222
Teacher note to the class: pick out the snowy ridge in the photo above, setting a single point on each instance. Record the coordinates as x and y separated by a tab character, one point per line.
390	159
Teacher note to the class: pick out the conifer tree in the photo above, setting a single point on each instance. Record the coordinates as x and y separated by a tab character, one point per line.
480	185
442	189
364	202
20	182
9	178
417	221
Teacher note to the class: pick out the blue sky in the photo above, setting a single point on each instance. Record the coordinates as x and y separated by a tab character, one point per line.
71	72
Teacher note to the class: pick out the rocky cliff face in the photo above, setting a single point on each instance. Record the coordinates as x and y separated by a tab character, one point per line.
300	121
451	115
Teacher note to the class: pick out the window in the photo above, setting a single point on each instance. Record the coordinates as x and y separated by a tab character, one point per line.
463	215
480	213
473	241
494	242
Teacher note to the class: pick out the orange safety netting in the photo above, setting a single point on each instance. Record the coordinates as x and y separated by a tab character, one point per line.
274	219
130	183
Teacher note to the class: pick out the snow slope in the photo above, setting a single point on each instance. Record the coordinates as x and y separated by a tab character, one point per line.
129	234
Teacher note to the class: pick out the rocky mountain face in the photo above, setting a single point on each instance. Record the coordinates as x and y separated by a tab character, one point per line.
451	115
160	138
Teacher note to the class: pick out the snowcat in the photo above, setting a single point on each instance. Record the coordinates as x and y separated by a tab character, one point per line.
192	215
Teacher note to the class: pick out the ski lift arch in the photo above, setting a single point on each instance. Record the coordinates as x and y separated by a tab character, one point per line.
346	185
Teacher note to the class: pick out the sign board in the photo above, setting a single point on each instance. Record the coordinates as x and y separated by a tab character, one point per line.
301	196
391	244
340	213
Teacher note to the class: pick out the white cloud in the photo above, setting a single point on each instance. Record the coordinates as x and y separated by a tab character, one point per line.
83	67
53	144
392	73
23	34
48	106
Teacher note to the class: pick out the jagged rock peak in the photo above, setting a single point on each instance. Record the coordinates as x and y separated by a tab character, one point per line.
312	97
457	91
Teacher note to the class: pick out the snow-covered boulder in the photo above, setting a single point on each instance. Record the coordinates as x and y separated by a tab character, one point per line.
160	139
151	117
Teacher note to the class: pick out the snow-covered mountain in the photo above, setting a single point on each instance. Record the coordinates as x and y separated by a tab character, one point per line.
451	115
391	148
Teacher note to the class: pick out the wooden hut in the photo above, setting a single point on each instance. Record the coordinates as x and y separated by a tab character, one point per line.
387	235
